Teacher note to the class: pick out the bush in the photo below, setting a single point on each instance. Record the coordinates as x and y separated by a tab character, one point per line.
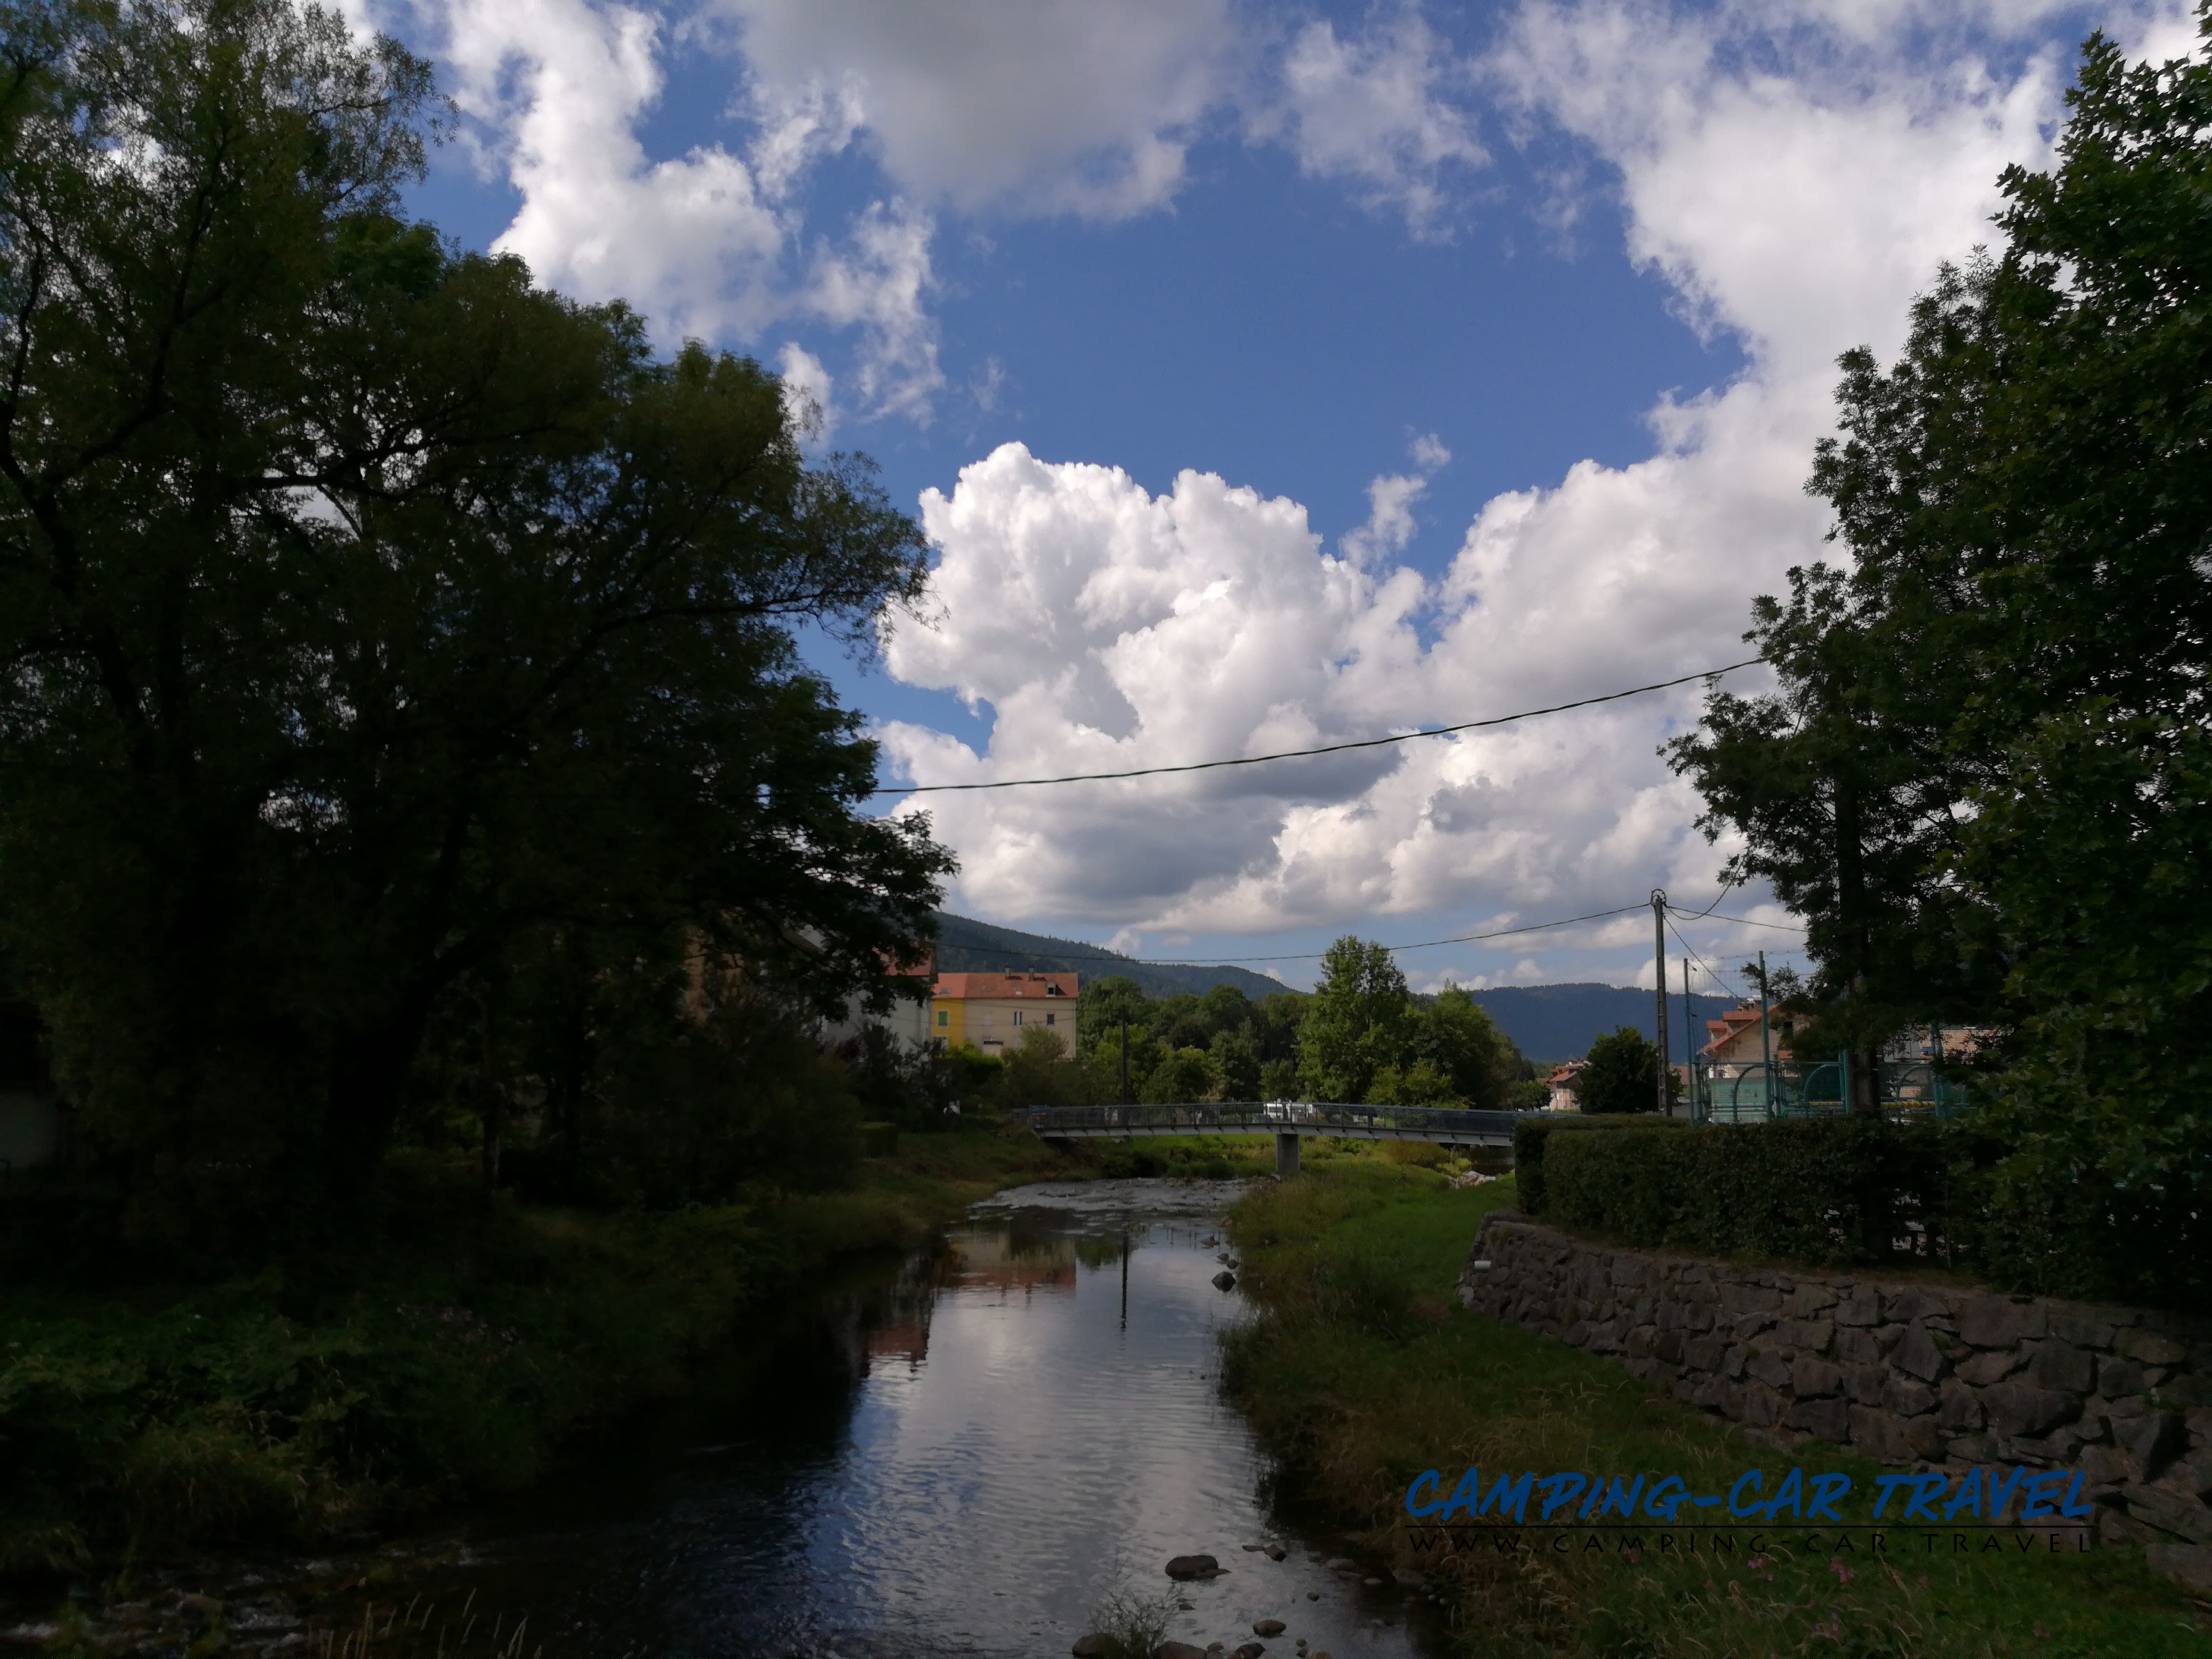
1833	1191
1529	1135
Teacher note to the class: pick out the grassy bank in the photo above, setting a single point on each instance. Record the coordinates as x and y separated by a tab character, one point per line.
1362	1372
455	1356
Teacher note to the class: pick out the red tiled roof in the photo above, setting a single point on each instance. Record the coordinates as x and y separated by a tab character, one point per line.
1060	987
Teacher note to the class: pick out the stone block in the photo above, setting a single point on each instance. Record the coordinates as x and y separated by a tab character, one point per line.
1812	1378
1862	1308
2188	1565
1719	1394
1762	1407
2151	1347
1890	1439
1864	1384
1973	1448
2058	1364
2085	1328
2105	1465
1886	1337
1740	1299
2117	1378
1770	1366
2184	1517
1912	1304
1667	1344
1992	1322
1993	1365
1958	1409
1855	1346
1735	1360
1703	1353
1808	1301
1809	1335
1639	1342
1918	1355
2021	1408
1908	1398
1828	1418
2152	1441
2186	1388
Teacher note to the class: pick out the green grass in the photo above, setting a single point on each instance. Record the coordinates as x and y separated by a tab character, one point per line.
1362	1372
455	1355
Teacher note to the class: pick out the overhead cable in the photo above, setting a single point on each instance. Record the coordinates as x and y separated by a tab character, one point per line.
1304	753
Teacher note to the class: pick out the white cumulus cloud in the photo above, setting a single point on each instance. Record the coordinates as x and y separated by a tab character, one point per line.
1795	177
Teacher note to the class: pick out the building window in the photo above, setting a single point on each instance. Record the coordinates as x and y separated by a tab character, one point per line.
1052	1019
1017	1016
944	1016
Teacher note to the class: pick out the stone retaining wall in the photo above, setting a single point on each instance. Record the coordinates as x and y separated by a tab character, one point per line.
1925	1375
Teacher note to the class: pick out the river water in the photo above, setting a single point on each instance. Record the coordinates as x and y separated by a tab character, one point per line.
967	1453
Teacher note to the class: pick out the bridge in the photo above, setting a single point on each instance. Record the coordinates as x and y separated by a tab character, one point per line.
1287	1121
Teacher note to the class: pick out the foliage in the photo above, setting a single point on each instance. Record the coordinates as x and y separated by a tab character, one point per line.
1182	1074
389	639
266	1409
1532	1136
1356	1021
1833	1191
1621	1074
1986	779
1359	1373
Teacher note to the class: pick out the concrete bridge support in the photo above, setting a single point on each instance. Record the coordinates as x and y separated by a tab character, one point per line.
1286	1156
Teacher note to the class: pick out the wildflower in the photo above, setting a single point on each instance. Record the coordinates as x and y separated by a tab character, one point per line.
1844	1574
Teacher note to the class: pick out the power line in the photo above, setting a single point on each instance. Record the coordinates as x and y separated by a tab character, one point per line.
1303	754
1315	956
1711	972
1779	927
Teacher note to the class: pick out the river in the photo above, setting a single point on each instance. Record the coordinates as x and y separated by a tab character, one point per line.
968	1452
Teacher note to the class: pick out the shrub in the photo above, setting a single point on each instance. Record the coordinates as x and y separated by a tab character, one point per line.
1529	1135
1834	1191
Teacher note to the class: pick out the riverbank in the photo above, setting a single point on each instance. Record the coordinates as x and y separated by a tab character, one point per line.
1362	1371
456	1357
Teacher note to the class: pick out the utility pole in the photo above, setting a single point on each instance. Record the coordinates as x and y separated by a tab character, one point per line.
1659	957
1765	1047
1689	1042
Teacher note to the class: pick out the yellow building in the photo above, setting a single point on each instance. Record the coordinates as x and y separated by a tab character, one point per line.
993	1011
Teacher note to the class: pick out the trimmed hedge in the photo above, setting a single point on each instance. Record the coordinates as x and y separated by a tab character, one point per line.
1529	1135
1840	1191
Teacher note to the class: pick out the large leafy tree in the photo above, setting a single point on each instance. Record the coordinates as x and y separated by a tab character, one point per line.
1621	1073
2020	652
372	618
1357	1022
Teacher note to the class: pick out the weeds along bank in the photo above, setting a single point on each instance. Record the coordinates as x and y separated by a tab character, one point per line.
453	1356
1361	1373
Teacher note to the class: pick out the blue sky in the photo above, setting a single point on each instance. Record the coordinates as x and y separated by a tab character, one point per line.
1276	375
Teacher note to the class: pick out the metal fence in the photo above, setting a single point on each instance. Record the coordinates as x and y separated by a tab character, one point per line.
1759	1093
1445	1125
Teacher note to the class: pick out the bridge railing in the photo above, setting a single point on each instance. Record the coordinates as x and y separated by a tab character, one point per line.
1278	1116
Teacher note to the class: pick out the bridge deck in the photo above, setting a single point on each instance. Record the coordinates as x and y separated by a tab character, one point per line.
1443	1126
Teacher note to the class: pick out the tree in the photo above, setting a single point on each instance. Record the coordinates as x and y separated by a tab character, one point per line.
373	617
1621	1073
1454	1035
1182	1075
1238	1062
1356	1021
2021	648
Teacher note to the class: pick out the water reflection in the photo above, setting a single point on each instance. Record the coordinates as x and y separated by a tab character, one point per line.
962	1457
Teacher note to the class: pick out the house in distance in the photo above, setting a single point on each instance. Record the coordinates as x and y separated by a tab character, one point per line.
993	1011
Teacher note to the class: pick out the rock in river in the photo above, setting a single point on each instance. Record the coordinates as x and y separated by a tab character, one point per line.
1092	1646
1224	1281
1193	1566
1177	1650
1267	1627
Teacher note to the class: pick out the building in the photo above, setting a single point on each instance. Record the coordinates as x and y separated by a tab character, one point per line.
1561	1084
906	1018
995	1012
1732	1039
